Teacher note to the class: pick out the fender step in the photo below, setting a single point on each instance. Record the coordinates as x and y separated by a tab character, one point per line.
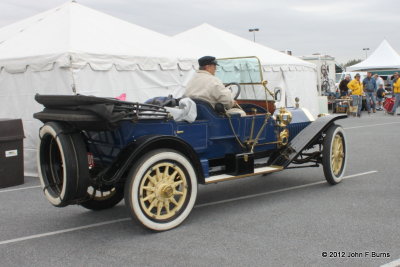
257	171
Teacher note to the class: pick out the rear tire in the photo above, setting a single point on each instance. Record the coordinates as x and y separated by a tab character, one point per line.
161	189
334	154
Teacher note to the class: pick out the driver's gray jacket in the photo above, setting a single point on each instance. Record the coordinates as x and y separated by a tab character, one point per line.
207	87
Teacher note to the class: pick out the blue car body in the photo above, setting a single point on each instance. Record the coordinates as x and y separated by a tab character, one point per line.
97	151
209	135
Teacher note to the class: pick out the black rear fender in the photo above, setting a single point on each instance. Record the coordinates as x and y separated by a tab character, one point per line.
119	169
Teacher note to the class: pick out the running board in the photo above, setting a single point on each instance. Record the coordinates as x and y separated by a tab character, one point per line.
257	171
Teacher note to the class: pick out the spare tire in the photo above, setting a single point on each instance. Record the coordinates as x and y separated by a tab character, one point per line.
62	164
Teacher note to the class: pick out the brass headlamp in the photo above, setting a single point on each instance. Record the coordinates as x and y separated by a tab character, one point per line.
284	117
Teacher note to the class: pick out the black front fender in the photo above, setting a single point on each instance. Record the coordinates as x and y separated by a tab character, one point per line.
307	137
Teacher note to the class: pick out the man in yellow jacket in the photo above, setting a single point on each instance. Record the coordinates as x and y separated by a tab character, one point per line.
356	88
396	92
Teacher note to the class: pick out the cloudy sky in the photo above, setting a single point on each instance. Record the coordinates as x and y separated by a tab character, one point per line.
338	28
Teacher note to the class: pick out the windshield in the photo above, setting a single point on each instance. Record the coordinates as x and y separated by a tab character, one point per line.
239	70
245	71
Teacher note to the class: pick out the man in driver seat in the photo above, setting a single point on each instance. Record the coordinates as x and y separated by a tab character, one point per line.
205	86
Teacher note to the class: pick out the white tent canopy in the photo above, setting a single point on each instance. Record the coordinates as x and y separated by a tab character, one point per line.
76	34
296	77
74	49
383	58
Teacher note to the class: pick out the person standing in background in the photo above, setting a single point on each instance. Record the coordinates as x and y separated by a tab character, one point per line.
396	92
379	81
356	88
380	96
369	85
344	91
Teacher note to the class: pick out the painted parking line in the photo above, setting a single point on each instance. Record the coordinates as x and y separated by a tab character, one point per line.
371	125
17	189
279	190
197	206
395	263
62	231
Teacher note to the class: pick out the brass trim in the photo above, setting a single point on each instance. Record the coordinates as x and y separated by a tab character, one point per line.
268	143
284	117
180	132
284	137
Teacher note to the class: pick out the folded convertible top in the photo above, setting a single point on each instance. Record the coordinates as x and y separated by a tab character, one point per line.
95	113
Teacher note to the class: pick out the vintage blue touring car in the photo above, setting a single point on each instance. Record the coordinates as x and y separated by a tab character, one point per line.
96	151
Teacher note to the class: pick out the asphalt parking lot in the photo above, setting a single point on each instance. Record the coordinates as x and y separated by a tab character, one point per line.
290	218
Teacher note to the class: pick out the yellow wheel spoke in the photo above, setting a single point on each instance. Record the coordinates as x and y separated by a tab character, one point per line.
149	197
166	171
174	201
340	146
152	179
152	205
149	188
173	175
159	208
158	174
177	183
166	204
179	193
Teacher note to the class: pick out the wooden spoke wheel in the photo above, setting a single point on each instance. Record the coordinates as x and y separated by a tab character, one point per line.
334	154
161	189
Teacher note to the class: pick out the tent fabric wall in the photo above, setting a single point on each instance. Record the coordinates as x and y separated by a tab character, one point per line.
138	85
17	91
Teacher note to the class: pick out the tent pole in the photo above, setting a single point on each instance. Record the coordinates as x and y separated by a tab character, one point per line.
73	85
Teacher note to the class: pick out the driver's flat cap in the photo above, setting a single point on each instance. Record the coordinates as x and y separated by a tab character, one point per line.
207	60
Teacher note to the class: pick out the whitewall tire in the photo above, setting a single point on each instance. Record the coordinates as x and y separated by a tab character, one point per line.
334	154
161	189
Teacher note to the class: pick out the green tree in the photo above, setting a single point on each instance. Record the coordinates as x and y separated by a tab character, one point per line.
352	62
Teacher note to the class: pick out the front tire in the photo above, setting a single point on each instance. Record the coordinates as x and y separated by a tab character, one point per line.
161	189
334	154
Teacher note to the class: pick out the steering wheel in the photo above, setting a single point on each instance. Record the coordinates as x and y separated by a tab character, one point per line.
238	89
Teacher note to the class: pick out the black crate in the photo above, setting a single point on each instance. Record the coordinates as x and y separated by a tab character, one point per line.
11	152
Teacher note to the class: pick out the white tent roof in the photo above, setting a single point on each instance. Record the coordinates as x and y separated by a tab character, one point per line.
223	44
383	58
72	33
